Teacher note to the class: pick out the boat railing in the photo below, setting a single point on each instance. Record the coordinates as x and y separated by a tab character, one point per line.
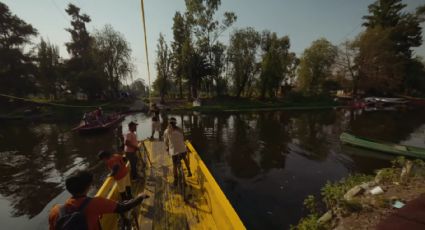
222	211
109	190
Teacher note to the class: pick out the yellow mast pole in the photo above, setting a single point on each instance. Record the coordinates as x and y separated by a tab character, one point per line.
146	49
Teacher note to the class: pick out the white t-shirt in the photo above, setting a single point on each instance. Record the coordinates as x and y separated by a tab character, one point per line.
174	140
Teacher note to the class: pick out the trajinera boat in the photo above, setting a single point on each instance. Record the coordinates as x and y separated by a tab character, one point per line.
397	149
91	128
203	205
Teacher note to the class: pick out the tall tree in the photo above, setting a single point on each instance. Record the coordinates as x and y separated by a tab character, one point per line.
276	63
81	41
420	13
315	66
114	54
345	64
242	56
200	14
180	35
398	32
219	62
163	67
48	68
84	72
16	67
139	88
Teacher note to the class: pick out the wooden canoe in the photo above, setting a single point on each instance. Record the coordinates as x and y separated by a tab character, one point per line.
392	148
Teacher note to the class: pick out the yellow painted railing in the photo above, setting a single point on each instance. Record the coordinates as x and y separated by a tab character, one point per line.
109	190
222	211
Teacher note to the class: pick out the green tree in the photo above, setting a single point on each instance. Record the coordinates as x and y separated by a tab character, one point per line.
17	70
420	13
114	54
242	56
163	67
84	71
48	68
81	41
200	15
346	67
415	82
381	68
396	32
180	35
276	63
315	66
139	88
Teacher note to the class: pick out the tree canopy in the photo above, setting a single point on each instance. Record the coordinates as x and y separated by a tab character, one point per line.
17	71
315	66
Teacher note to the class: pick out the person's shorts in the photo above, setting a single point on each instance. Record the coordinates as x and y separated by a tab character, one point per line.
156	126
178	157
122	183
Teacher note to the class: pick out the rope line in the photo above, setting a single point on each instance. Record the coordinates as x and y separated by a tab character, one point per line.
146	48
51	103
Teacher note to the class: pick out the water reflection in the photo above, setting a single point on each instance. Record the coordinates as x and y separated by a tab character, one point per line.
34	159
266	162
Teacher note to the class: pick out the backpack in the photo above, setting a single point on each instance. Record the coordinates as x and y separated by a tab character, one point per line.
74	220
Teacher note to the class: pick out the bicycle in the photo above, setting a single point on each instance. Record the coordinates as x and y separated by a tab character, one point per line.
181	179
129	220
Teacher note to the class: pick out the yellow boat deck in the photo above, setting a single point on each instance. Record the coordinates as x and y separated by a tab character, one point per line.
205	207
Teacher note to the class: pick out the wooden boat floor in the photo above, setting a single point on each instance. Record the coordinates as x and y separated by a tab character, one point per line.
166	208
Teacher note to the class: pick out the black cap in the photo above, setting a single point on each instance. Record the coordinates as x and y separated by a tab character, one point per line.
78	182
132	123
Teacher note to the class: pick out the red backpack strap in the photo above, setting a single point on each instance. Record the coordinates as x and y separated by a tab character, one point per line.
63	211
84	204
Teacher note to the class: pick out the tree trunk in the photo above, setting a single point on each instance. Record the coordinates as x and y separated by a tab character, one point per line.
180	87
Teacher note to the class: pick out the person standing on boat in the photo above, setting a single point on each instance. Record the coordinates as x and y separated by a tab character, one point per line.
156	127
174	143
78	184
156	123
119	172
119	137
154	110
131	148
99	115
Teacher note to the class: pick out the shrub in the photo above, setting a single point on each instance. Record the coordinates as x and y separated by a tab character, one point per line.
333	193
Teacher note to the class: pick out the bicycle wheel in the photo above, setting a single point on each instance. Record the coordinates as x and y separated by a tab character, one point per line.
181	181
124	223
134	220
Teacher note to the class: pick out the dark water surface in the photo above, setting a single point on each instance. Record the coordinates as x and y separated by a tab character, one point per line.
265	162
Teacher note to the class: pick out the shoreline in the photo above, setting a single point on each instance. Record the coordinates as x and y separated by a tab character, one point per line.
365	201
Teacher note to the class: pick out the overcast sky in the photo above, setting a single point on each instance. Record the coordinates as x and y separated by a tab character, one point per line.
302	20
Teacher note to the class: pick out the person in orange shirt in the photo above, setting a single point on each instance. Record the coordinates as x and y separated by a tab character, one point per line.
78	184
119	171
131	147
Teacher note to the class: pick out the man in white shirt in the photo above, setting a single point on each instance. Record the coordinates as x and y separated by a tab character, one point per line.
174	142
131	147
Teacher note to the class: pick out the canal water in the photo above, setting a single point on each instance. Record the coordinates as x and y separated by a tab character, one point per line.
265	162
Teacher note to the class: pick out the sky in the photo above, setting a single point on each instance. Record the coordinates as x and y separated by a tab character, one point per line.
302	20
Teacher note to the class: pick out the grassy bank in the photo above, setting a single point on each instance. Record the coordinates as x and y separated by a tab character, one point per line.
349	203
230	104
